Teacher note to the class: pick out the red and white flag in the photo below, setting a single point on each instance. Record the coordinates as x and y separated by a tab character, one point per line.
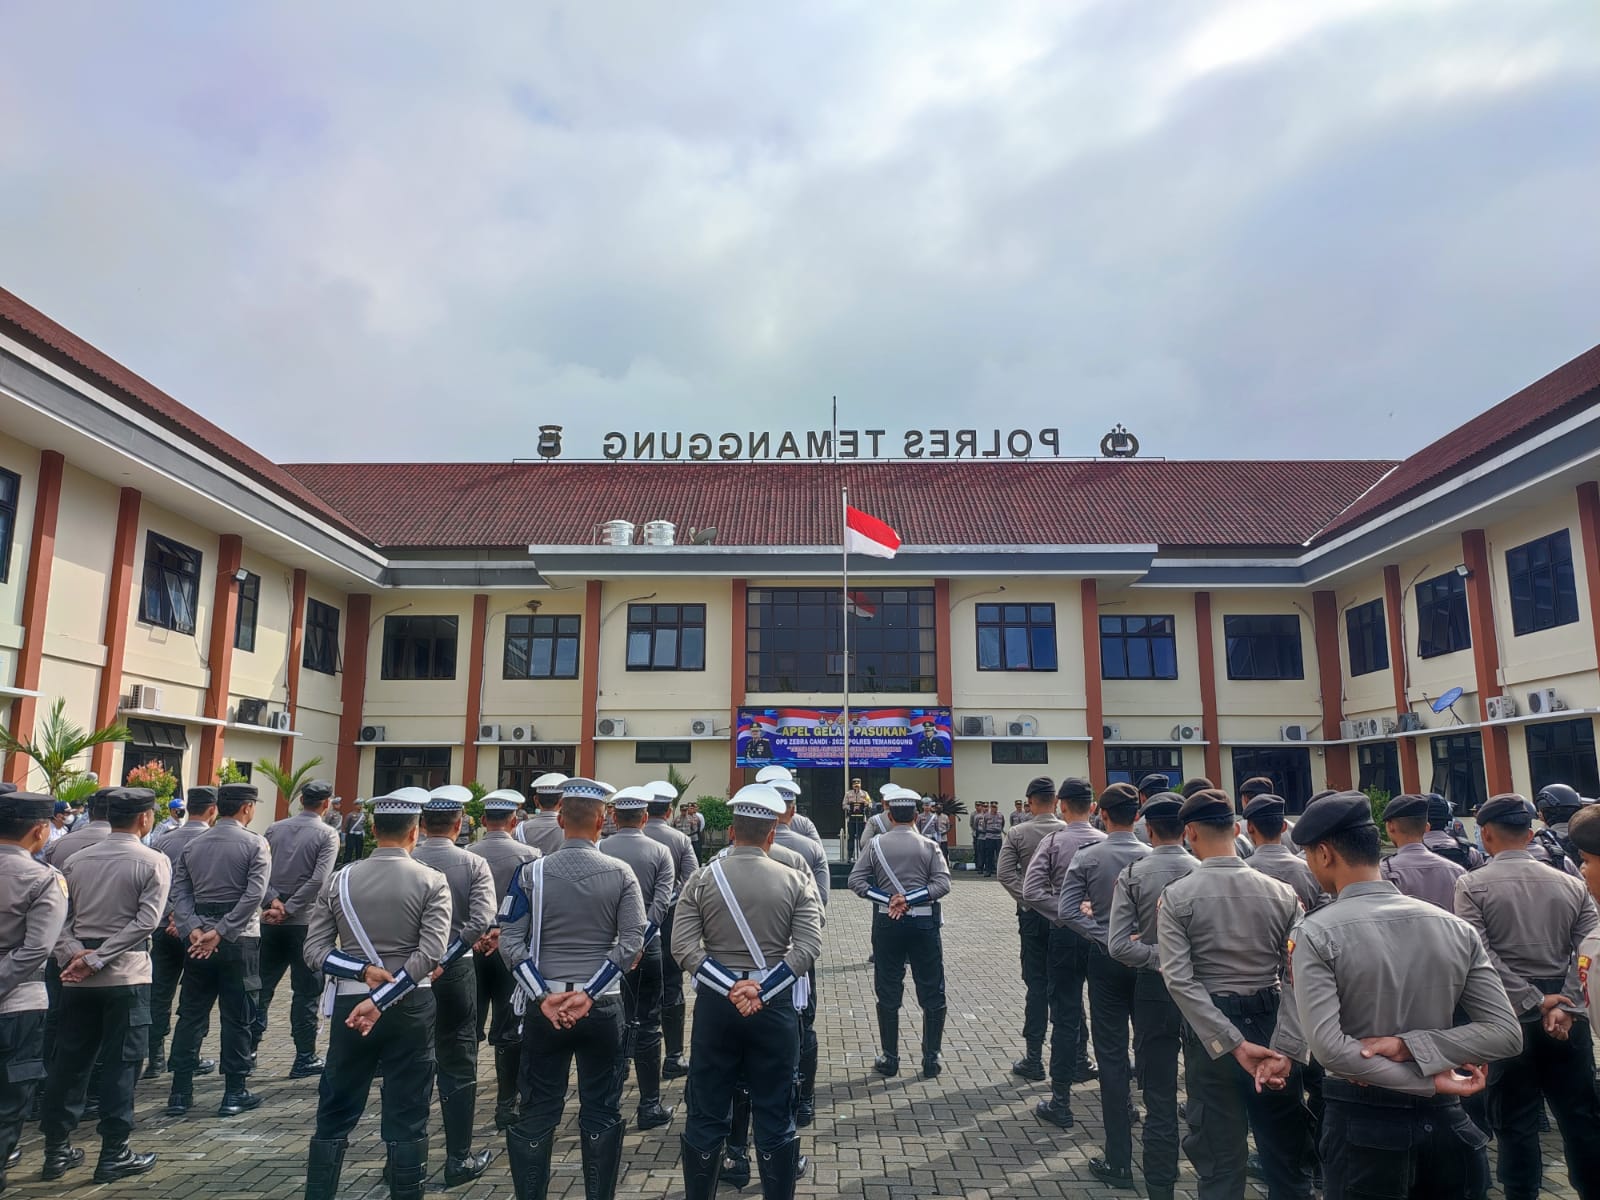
867	535
860	605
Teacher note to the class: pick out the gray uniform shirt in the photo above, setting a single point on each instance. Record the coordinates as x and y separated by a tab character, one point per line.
652	866
1092	876
1588	957
816	858
542	832
780	905
117	893
403	905
59	851
1352	972
1047	869
877	825
915	861
593	913
1017	851
1131	936
1274	860
1224	930
173	845
227	864
1417	871
473	904
304	851
679	846
804	826
33	909
1531	919
504	854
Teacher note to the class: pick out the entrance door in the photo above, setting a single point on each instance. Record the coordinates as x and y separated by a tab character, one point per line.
822	794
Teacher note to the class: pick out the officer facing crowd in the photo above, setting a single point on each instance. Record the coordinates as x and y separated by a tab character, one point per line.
541	830
1033	930
1413	868
168	951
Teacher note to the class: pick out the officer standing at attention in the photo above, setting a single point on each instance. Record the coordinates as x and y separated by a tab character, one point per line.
815	861
504	854
572	924
97	829
1018	814
1584	834
1223	931
685	864
1033	931
217	889
378	932
748	930
655	871
117	888
1153	784
800	823
33	910
1091	879
305	849
857	804
1413	868
1442	841
473	909
1131	939
1557	803
1532	920
879	822
1264	824
1394	1124
168	951
541	830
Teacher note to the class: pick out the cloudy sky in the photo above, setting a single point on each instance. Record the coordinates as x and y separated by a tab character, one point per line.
406	231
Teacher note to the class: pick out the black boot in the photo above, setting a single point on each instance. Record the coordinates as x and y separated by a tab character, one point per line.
59	1159
324	1162
1031	1065
306	1065
673	1066
461	1165
408	1166
602	1161
736	1156
205	1066
158	1060
932	1041
888	1063
1055	1111
117	1161
530	1162
652	1113
181	1098
507	1062
735	1170
805	1108
779	1170
236	1098
701	1171
1117	1177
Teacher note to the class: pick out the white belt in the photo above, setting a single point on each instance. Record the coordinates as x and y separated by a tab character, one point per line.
614	988
925	910
354	987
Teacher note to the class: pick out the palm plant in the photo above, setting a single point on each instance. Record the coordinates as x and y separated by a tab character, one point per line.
288	783
57	743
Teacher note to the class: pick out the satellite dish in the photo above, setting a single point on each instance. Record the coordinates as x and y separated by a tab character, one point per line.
708	535
1445	701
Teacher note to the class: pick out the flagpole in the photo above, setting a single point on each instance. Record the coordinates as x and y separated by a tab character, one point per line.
844	615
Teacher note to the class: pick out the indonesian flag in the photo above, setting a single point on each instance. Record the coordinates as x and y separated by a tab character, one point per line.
867	535
857	603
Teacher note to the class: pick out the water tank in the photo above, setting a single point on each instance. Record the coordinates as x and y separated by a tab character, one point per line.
616	533
659	533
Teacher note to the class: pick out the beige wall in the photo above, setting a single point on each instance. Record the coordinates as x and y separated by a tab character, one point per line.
659	704
23	460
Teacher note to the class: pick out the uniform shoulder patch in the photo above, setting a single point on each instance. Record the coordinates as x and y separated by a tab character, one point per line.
1289	960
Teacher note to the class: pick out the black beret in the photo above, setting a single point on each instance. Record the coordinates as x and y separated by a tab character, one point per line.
1256	785
316	791
1439	812
202	796
1163	805
1042	786
7	788
1506	809
129	802
244	793
1558	798
1120	797
1265	805
1198	784
1584	831
1410	805
26	806
1332	814
1075	788
1207	804
1153	783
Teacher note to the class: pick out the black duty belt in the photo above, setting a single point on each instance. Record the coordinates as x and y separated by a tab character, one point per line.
96	943
214	910
1254	1004
1339	1091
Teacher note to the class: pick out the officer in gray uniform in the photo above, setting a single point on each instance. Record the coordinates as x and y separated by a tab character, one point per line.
879	822
1393	1125
500	849
1091	879
1224	932
749	930
1033	930
97	829
117	888
685	864
1413	868
799	822
641	987
1532	920
1584	833
1132	939
305	849
1557	803
378	932
1264	825
455	990
33	910
1442	838
816	862
571	926
168	951
541	830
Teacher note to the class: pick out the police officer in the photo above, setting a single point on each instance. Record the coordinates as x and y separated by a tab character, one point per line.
1033	930
1394	1124
541	830
217	889
815	861
1443	839
1132	939
175	818
1532	920
118	891
655	871
500	849
748	930
1091	879
378	932
168	951
305	849
879	822
906	879
1584	833
1413	868
1223	932
455	988
685	864
571	926
1557	803
1018	814
857	807
33	910
1264	825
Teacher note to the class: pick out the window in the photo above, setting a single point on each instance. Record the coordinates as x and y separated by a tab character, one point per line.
153	742
1016	637
1380	767
1442	626
1544	590
244	622
661	752
1289	770
1458	771
1019	754
171	584
521	765
10	488
1264	648
1138	648
794	640
419	648
541	647
1369	638
322	638
410	766
1563	752
666	637
1130	764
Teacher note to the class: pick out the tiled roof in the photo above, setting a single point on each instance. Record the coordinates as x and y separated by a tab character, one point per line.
62	346
1111	502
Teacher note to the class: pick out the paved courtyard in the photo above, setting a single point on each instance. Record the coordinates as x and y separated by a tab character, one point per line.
970	1133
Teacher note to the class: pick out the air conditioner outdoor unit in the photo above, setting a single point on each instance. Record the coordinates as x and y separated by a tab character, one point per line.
143	695
489	733
1023	727
1367	727
1409	722
1347	730
1545	700
977	726
521	733
279	721
1501	708
703	726
252	712
1292	733
374	733
610	727
1390	725
1188	733
1111	733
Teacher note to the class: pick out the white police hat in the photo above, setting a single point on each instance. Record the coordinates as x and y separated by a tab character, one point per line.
451	797
502	800
758	800
773	773
405	802
786	788
631	799
586	789
887	790
550	781
901	797
660	790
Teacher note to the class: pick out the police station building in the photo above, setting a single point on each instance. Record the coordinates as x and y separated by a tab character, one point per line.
428	623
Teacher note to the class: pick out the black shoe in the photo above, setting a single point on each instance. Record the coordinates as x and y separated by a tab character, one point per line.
204	1067
1544	1119
673	1067
1085	1072
805	1110
884	1065
236	1102
1183	1112
156	1066
602	1160
652	1114
780	1168
464	1168
305	1066
1117	1177
530	1162
119	1162
1059	1115
932	1066
324	1163
58	1160
736	1168
179	1103
1253	1167
1030	1068
407	1165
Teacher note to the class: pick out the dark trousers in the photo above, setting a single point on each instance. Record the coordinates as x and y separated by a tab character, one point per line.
1157	1038
354	844
168	954
763	1048
671	990
1111	999
21	1069
496	988
988	850
229	979
910	941
856	827
547	1059
1033	931
641	1002
1560	1072
1225	1108
455	1027
401	1045
283	949
100	1027
1386	1145
1069	1035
